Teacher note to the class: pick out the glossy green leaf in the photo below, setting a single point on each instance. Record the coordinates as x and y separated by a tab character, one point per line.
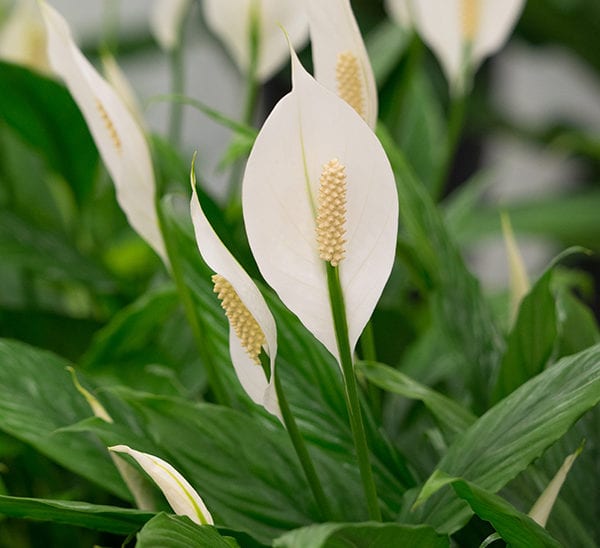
465	317
45	116
111	519
577	327
37	397
531	340
447	412
516	431
168	531
362	535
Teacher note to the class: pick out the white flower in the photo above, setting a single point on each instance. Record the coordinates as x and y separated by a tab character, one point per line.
119	139
232	21
252	327
464	32
340	57
166	19
181	496
400	11
318	187
23	37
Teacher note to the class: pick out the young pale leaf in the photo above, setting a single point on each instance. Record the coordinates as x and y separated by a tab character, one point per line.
118	137
340	57
519	282
540	512
464	32
250	374
232	21
308	130
182	497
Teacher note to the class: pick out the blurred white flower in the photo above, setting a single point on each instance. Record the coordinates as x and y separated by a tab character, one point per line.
23	37
464	32
318	188
232	21
340	57
400	11
252	327
180	495
166	19
117	135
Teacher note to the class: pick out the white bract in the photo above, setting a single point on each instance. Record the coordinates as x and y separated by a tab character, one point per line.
23	37
252	327
340	57
464	32
400	11
166	20
311	136
232	20
119	139
181	496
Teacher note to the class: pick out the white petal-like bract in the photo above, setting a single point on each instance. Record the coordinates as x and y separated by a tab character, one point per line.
400	11
251	375
463	32
307	129
340	57
180	495
120	141
230	20
166	19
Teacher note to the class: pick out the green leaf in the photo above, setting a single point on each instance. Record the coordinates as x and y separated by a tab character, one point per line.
531	340
45	116
577	327
37	397
168	531
111	519
386	45
448	413
512	434
466	319
362	535
516	528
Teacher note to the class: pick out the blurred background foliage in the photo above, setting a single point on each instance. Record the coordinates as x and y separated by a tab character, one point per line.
73	274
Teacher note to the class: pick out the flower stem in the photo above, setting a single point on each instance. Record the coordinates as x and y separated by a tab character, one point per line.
302	452
214	380
338	310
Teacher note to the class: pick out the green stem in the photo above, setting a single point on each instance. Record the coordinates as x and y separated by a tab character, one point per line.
369	353
338	310
456	119
177	87
302	453
216	384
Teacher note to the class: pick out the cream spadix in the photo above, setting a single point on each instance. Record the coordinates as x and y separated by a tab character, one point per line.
232	21
252	326
312	135
180	495
464	32
120	141
340	57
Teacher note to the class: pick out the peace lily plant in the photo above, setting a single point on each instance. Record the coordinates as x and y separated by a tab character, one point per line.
261	414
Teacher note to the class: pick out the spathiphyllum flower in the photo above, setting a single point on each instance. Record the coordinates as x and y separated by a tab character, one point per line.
340	57
181	496
23	37
464	32
119	139
318	189
252	327
166	19
233	21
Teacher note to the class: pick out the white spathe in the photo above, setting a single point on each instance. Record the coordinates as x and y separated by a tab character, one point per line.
251	376
309	127
23	37
440	24
231	20
120	140
334	31
166	20
180	495
400	11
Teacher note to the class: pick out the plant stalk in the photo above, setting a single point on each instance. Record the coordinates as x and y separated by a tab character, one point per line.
338	310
